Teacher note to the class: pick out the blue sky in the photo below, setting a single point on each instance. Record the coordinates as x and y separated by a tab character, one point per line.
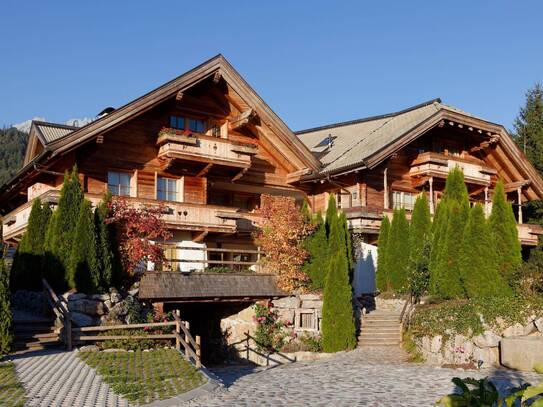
313	62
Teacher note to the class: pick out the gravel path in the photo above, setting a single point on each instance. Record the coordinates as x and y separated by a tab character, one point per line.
365	377
59	378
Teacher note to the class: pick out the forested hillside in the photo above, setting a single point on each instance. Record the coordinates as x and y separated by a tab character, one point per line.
12	150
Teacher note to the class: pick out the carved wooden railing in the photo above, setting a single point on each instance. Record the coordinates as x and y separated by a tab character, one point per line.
60	309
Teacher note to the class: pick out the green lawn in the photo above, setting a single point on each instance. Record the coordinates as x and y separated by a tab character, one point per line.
143	377
12	392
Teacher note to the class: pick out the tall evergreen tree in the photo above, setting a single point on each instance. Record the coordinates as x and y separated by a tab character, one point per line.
6	317
419	246
504	230
397	250
348	241
478	259
316	245
105	237
27	267
529	127
83	272
338	330
451	216
331	213
334	231
382	278
59	236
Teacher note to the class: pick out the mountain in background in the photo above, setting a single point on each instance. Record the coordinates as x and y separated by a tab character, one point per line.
12	151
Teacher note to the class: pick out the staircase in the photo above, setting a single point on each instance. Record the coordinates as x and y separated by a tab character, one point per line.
380	328
35	334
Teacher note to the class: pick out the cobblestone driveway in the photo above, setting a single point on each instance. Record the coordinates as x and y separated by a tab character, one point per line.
365	377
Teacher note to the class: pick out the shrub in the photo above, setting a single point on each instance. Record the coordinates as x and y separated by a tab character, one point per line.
60	233
504	229
338	330
304	343
382	277
6	317
316	245
397	256
419	248
108	265
269	336
27	267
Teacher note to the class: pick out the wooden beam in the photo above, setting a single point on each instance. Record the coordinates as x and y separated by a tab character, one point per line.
217	77
240	174
242	119
512	186
205	170
200	236
179	96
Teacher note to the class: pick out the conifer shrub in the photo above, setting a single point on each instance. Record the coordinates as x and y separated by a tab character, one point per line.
478	259
347	241
83	269
316	245
419	247
6	317
334	233
107	261
504	230
382	277
60	233
338	330
397	250
27	267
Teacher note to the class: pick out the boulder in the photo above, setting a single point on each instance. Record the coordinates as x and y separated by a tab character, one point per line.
522	353
82	319
514	330
435	346
89	348
84	306
287	302
286	315
100	297
487	339
118	311
134	292
539	324
76	296
115	297
489	356
108	304
529	328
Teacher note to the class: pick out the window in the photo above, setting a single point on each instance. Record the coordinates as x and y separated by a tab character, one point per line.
177	122
196	125
118	183
404	200
166	189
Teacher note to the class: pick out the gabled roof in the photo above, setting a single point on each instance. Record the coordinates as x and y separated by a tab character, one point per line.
300	157
193	286
50	132
365	143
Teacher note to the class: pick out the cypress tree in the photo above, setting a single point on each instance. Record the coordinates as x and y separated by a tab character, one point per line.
504	230
334	232
83	272
419	246
6	317
338	330
382	277
27	267
59	236
317	247
529	127
104	239
331	213
348	241
449	272
397	250
478	260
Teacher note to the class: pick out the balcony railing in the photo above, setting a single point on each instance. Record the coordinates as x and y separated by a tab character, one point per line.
205	149
438	165
178	215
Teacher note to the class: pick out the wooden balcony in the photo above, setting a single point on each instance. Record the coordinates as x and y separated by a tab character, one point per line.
178	215
206	149
528	234
437	165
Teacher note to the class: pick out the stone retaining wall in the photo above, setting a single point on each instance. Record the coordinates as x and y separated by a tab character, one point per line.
482	349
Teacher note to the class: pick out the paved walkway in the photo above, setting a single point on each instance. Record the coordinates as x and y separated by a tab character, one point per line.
59	378
365	377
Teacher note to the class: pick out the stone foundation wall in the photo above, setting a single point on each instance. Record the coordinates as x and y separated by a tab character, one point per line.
484	348
303	312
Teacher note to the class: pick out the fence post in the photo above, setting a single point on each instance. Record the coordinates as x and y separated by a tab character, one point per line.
198	352
68	331
187	344
177	330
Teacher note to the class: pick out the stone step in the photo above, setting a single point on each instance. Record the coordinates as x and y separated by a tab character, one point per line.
24	336
380	330
379	336
379	323
378	343
381	316
36	345
33	328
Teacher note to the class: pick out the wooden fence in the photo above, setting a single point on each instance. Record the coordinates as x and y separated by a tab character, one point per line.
181	334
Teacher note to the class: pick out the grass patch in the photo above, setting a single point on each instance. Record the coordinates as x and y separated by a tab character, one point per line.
415	356
12	392
143	377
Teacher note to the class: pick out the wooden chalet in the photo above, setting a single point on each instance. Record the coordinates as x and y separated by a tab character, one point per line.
377	164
